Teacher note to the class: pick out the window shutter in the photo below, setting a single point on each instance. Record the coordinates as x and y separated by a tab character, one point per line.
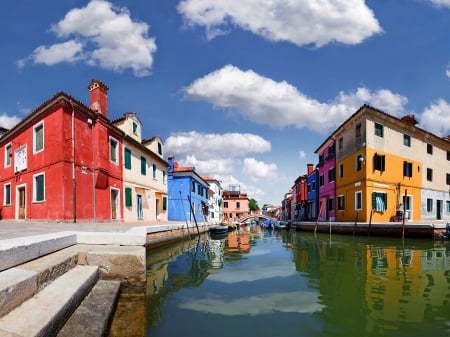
128	202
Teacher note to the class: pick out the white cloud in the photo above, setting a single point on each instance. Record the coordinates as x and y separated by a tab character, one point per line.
259	170
436	118
301	22
295	301
206	146
8	121
104	36
302	154
441	3
279	104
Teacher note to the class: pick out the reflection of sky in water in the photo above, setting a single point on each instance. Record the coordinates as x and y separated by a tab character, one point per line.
296	302
257	270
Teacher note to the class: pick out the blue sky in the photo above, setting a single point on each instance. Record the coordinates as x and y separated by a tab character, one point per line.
244	90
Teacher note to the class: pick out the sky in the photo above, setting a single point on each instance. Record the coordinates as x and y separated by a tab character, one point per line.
245	91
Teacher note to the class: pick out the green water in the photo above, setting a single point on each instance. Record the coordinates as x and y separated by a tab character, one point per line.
288	283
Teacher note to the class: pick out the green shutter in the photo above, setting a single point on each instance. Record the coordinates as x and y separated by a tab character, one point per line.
143	166
39	185
127	158
164	203
128	202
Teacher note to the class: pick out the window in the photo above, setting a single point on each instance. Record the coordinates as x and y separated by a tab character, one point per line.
341	203
143	166
331	175
159	148
407	140
379	130
238	204
331	204
448	155
341	144
429	174
407	169
358	130
127	158
164	177
358	200
7	194
379	201
164	203
332	151
128	199
321	160
193	186
341	170
113	150
447	206
448	178
135	128
38	137
154	171
429	149
429	205
359	161
8	155
321	180
225	204
378	162
38	187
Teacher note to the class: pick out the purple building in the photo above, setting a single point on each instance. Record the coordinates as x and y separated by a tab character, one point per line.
326	178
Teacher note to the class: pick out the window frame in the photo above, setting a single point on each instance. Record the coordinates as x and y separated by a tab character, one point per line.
379	130
127	158
358	199
143	166
379	162
113	150
35	140
7	194
36	187
383	196
341	202
406	140
8	155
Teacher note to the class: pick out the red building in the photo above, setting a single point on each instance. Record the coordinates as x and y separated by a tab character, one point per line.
63	162
301	194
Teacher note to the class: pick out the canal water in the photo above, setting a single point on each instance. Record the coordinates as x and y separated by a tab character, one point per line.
289	283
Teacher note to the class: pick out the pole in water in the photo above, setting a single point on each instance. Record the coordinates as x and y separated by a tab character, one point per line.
184	213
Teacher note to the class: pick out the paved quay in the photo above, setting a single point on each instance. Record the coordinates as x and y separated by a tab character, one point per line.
17	229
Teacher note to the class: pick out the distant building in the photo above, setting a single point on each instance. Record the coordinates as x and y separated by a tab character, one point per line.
188	194
312	205
215	200
235	204
327	180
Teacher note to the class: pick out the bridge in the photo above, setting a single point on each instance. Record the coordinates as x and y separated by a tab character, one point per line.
259	216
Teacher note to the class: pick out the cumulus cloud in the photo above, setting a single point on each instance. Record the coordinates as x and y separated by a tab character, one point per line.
8	121
302	154
441	3
436	118
259	170
279	104
206	146
301	22
102	35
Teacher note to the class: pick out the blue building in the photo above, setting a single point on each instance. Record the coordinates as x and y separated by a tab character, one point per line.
313	195
187	194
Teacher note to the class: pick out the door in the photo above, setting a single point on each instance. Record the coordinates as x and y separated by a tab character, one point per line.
140	211
438	209
21	202
114	198
157	208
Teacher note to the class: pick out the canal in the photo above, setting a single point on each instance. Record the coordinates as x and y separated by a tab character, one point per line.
290	283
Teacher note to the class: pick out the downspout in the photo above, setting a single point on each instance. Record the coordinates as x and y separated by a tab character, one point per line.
74	184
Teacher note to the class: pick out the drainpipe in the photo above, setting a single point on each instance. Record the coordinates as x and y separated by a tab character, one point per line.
74	184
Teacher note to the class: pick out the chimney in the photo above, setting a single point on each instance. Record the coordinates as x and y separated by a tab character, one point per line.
310	168
98	97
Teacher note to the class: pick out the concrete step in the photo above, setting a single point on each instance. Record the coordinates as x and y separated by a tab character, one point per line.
93	317
22	282
44	314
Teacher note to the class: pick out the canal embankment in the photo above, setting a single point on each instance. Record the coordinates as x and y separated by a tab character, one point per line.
53	281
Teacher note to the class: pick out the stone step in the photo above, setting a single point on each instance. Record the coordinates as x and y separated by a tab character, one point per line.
22	282
93	317
44	314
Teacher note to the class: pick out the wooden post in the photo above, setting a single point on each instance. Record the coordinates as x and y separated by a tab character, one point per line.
318	215
404	214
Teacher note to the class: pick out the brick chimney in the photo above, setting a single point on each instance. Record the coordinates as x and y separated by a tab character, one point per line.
310	168
98	97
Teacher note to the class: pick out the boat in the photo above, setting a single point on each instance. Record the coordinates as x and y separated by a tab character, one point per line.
219	229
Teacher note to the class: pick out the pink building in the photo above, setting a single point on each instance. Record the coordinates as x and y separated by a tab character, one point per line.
327	180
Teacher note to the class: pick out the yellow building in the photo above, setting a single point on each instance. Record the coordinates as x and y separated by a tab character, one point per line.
384	169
